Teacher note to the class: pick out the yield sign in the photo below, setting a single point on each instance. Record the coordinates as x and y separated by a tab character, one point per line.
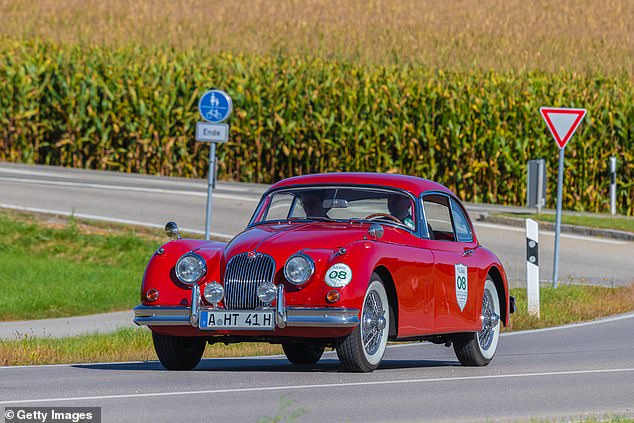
562	122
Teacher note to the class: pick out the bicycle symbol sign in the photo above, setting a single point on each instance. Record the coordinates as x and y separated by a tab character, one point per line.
215	106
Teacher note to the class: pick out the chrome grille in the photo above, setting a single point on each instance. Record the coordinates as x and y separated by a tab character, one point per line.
245	272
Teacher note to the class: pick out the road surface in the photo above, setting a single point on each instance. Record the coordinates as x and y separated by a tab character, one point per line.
572	372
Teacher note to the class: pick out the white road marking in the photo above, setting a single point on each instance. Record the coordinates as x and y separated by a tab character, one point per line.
110	219
548	233
319	386
129	188
573	325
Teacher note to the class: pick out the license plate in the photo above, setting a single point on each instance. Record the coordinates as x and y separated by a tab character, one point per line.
241	320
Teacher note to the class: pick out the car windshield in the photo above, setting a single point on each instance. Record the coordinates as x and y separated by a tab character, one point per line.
339	204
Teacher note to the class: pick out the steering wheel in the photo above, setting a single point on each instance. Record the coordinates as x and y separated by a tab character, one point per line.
385	215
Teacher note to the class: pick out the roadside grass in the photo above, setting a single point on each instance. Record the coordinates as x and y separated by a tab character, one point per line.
566	304
52	268
621	223
570	304
486	34
129	344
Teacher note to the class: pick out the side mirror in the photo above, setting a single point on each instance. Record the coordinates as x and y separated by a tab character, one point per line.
375	231
171	230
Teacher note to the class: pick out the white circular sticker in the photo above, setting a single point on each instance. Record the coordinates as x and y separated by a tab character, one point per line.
339	275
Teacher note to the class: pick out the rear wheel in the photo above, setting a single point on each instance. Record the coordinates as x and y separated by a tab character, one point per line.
363	349
178	352
478	349
303	353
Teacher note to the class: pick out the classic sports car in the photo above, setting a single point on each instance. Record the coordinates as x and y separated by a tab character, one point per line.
341	260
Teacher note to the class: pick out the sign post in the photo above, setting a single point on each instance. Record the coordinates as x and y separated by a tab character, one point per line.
215	106
562	123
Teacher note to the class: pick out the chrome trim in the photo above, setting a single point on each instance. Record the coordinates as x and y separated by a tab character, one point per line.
244	273
290	317
161	316
280	309
322	317
195	305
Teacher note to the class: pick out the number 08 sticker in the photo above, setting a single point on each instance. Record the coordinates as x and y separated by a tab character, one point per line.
339	275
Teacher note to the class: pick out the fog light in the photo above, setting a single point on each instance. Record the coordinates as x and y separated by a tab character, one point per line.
152	295
213	293
266	292
332	296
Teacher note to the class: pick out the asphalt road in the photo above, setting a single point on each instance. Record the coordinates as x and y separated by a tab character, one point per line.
152	200
572	372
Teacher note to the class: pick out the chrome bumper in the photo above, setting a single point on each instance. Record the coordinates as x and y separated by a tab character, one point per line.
284	316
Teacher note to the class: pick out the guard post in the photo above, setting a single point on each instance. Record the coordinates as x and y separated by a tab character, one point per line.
612	185
532	267
215	106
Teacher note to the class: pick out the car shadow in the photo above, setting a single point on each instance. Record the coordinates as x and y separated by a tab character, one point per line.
266	364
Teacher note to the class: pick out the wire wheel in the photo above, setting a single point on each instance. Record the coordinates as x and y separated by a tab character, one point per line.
363	349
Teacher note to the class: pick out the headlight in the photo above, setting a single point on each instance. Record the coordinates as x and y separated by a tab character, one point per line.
299	268
190	268
214	292
266	292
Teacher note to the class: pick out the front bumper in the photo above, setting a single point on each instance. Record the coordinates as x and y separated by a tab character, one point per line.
318	317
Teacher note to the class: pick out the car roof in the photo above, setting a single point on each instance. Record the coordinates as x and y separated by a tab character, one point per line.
412	184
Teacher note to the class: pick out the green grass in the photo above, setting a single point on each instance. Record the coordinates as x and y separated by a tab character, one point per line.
62	270
621	223
571	303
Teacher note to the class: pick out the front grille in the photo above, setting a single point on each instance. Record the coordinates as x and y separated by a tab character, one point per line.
245	272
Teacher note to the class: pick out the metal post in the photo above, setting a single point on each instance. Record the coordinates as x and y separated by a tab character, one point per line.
210	186
560	187
613	185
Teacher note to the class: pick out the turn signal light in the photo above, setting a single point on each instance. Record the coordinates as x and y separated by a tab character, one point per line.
332	296
152	295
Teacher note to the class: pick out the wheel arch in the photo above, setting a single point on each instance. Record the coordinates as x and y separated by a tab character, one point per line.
500	286
390	288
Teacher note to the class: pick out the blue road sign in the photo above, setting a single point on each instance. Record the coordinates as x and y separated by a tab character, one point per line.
215	106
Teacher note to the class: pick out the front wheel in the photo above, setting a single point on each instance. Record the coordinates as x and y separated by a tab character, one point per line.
178	352
363	349
478	349
303	353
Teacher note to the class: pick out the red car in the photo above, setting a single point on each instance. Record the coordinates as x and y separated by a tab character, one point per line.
341	260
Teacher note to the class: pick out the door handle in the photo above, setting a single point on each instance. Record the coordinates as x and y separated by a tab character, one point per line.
467	253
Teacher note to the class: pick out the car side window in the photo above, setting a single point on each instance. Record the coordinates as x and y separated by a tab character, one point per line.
438	217
461	223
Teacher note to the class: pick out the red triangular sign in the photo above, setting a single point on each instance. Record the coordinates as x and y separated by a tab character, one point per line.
562	122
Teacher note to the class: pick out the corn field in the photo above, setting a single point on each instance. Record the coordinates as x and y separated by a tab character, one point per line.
134	110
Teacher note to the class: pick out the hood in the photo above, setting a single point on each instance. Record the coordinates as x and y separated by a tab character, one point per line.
285	239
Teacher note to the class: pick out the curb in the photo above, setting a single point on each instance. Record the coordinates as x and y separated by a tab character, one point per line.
574	229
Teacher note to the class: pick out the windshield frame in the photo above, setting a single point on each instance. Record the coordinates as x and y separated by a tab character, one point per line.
259	211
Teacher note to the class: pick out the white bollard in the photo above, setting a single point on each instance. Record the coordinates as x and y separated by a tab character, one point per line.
532	267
